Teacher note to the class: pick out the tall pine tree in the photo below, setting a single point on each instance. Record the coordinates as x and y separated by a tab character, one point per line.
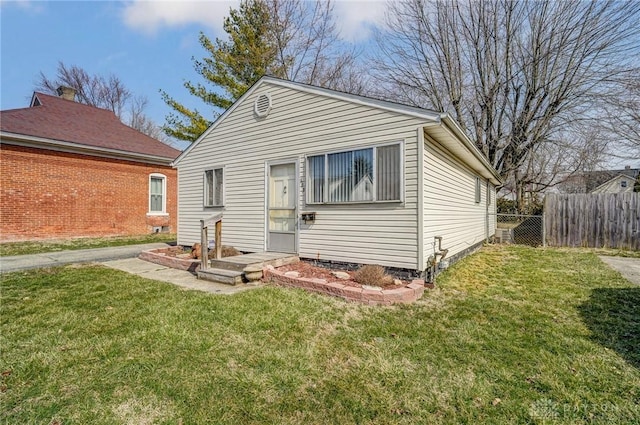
230	68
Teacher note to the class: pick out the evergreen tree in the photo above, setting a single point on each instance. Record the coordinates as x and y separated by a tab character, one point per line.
295	40
231	67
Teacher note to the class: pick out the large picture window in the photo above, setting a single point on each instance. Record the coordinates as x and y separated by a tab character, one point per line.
364	175
214	187
157	189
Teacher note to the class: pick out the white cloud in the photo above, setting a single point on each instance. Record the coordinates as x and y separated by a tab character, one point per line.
28	5
356	19
150	16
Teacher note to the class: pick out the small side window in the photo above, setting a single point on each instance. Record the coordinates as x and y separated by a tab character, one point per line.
157	190
623	183
478	192
214	187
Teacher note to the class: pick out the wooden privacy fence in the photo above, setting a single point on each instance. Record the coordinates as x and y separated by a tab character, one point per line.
604	220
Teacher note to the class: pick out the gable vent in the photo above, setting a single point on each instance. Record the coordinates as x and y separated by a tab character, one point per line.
262	105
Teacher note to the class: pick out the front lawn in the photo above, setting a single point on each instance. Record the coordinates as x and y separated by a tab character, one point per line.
510	335
37	247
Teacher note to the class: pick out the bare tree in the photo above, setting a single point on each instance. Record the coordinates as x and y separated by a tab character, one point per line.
622	120
517	75
106	93
137	119
308	48
95	90
291	39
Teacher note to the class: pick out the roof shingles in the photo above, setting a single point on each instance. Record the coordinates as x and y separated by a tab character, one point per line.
68	121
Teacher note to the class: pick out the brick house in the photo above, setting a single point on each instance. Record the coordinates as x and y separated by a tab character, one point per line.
72	170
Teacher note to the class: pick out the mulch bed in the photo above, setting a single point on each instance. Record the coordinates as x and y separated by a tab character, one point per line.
307	270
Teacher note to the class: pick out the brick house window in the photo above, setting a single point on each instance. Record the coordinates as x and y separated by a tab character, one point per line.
157	191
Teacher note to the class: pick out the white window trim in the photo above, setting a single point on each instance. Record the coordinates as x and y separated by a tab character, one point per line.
375	183
164	194
204	187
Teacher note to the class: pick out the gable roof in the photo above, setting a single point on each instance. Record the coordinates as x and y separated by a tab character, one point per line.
452	130
595	179
55	122
622	176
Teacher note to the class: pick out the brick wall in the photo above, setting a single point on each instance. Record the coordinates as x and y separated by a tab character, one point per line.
46	194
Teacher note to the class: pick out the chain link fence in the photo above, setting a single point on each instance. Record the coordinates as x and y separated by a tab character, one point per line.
520	229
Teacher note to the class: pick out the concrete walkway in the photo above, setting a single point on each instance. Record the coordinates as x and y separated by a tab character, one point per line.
121	258
181	278
60	258
629	268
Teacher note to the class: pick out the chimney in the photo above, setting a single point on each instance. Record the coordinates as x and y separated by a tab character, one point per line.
627	167
67	93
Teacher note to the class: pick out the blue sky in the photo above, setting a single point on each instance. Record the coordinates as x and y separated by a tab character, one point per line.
148	45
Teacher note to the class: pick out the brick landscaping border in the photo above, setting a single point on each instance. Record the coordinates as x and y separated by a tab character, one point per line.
159	256
405	295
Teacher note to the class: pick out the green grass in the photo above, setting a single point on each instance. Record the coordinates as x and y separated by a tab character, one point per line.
510	335
37	247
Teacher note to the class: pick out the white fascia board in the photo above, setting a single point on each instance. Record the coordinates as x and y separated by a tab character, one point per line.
217	122
453	126
70	147
357	99
352	98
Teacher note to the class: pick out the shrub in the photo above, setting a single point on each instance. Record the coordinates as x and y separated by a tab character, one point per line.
372	275
229	251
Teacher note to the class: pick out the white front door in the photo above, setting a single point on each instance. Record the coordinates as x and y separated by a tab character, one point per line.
282	208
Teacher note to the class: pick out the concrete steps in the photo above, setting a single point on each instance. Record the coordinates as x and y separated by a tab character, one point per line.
230	277
242	268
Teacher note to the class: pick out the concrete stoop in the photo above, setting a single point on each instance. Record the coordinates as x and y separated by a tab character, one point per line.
244	268
230	277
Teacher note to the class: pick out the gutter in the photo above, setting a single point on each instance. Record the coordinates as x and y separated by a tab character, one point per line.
70	147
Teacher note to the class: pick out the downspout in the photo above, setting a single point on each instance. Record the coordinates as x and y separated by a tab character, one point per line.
486	214
420	210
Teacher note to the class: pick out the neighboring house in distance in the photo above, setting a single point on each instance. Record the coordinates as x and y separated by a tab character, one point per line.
602	181
336	177
72	170
622	183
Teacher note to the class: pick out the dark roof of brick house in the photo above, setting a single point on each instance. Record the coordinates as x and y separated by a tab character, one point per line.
53	118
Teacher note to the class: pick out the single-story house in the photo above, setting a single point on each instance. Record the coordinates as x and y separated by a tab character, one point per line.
336	177
601	181
622	183
72	170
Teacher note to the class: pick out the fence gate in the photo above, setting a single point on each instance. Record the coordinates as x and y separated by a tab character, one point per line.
520	229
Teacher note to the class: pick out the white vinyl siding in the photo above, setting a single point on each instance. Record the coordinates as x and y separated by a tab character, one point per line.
451	209
301	125
214	187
